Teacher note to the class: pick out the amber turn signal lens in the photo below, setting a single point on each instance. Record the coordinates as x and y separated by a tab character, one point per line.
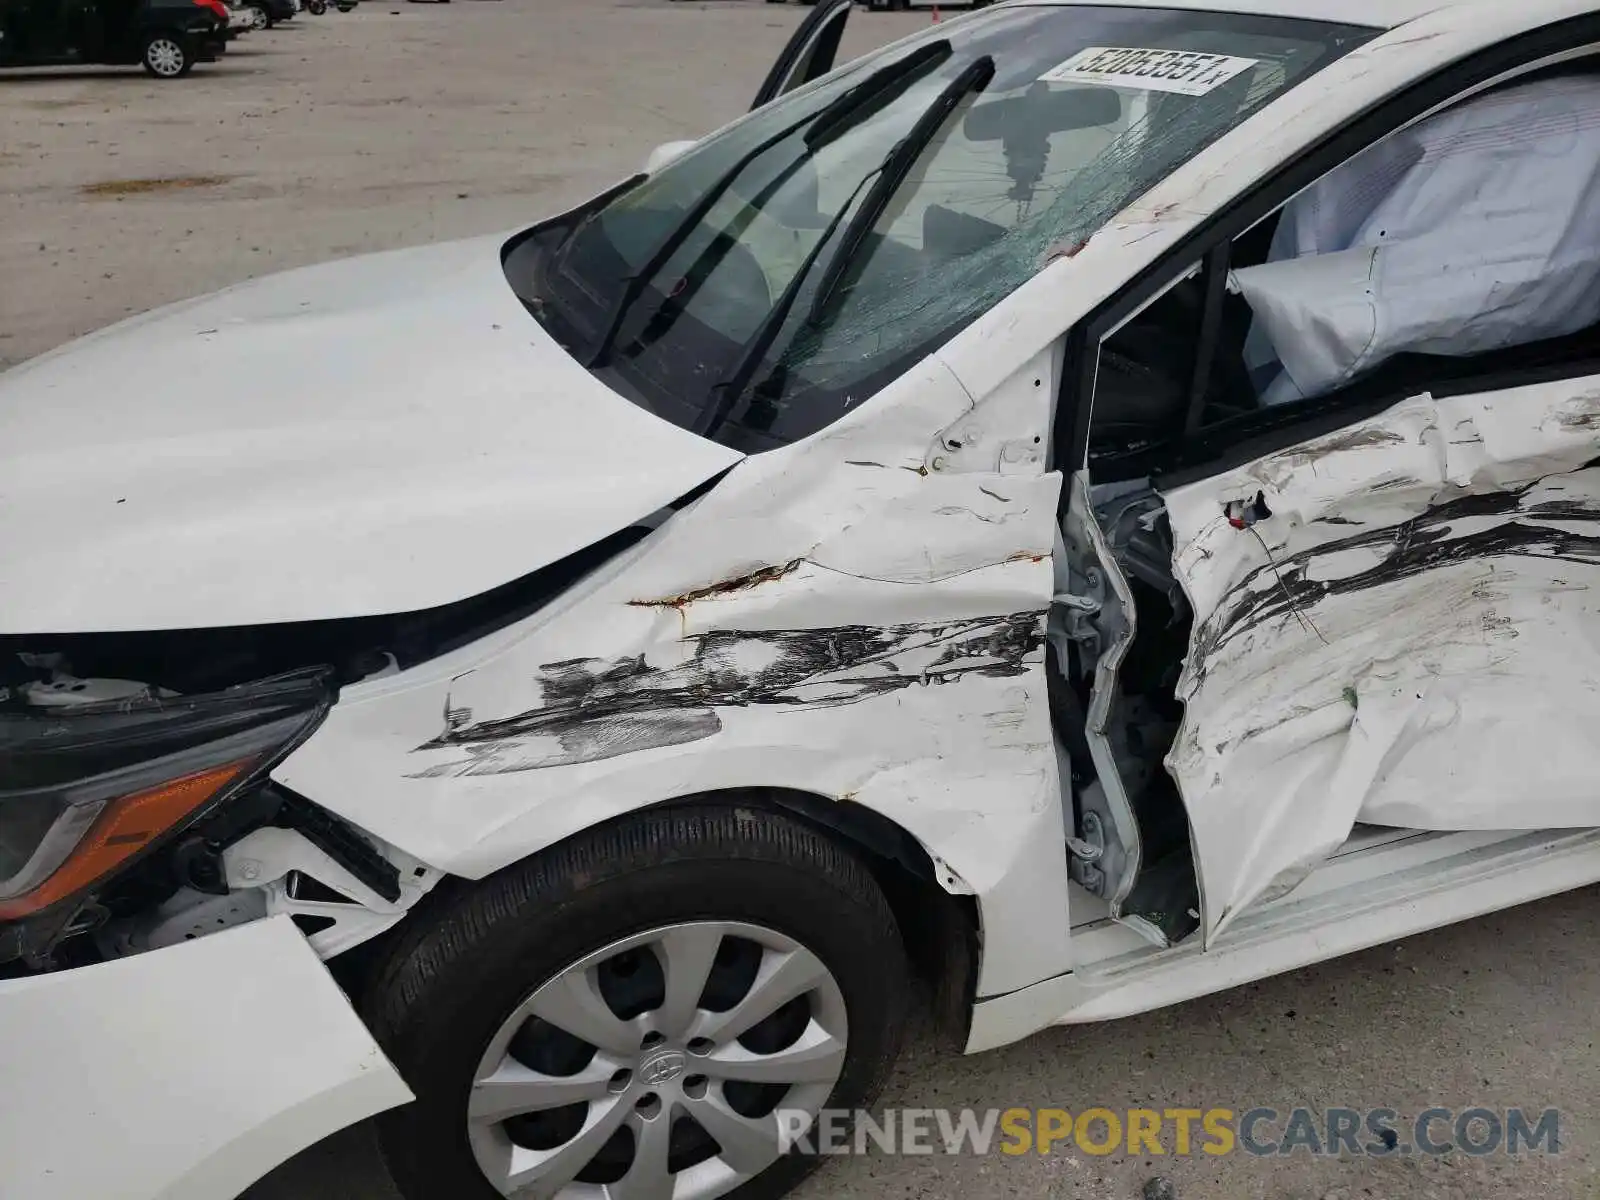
128	824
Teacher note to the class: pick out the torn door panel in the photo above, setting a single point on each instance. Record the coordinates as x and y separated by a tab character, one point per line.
1408	639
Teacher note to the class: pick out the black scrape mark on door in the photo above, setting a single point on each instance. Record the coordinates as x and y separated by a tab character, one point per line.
596	708
1425	543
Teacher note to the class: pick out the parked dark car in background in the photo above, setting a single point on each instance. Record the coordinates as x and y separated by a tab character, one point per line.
166	36
270	12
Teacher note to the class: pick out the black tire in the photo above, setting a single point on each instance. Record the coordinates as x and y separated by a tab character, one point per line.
446	986
166	56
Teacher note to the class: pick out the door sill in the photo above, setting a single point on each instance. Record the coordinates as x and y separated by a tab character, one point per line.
1392	884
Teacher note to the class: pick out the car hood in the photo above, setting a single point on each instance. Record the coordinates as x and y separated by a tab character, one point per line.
378	435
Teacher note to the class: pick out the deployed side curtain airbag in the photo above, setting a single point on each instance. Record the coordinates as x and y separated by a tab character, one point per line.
1474	230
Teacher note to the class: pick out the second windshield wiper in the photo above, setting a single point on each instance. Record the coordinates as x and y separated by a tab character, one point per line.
895	169
833	120
891	173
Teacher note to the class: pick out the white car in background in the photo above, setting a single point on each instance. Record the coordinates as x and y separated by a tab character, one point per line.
1093	503
244	19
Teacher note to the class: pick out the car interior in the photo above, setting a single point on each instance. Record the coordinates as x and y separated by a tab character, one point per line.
1198	373
1177	370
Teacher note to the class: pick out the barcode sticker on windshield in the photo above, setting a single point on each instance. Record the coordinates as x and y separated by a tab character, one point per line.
1188	72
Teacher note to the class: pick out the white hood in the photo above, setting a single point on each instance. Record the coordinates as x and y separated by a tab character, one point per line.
379	435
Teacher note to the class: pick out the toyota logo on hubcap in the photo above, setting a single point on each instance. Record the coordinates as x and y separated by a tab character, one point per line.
662	1068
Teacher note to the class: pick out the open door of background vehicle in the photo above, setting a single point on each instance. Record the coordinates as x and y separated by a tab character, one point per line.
810	53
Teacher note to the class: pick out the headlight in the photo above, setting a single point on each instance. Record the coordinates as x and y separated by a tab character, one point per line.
83	791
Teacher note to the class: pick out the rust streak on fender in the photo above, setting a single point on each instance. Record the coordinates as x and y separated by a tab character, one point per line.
738	583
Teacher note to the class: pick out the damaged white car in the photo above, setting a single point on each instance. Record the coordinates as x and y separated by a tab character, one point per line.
1092	503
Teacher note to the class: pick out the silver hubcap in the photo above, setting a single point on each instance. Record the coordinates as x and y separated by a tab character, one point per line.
165	57
657	1068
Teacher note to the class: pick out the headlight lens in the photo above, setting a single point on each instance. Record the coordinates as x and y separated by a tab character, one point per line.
83	791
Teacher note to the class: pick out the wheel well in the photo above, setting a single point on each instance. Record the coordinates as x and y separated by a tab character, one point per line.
941	931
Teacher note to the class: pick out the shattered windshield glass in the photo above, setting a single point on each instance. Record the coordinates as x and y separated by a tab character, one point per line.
757	288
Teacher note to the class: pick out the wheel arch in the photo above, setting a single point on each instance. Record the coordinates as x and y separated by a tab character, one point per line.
941	931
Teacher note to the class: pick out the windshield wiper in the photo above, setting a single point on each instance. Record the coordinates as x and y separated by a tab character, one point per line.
895	169
890	174
850	107
727	392
832	121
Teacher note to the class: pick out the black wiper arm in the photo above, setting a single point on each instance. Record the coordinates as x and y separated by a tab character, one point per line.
890	173
841	115
895	169
730	389
833	120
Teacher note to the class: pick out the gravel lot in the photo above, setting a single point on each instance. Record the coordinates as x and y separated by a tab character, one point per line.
408	123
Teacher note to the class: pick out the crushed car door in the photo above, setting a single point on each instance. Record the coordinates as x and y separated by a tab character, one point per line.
809	54
1393	625
1332	554
1392	621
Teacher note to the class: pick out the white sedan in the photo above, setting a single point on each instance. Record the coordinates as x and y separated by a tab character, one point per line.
1094	504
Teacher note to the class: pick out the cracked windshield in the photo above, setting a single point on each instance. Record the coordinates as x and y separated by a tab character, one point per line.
759	287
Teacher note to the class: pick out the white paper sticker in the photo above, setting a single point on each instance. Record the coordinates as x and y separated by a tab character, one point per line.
1188	72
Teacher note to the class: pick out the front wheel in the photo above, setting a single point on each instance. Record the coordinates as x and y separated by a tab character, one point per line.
652	1009
166	57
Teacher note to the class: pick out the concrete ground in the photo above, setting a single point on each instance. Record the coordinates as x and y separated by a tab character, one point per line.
404	123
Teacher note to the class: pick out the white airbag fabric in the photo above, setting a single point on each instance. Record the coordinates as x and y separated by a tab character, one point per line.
1476	229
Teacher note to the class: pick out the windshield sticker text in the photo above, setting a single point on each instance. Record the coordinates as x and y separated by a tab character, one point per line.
1187	72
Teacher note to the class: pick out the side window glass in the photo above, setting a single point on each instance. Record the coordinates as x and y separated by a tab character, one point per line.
1147	367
